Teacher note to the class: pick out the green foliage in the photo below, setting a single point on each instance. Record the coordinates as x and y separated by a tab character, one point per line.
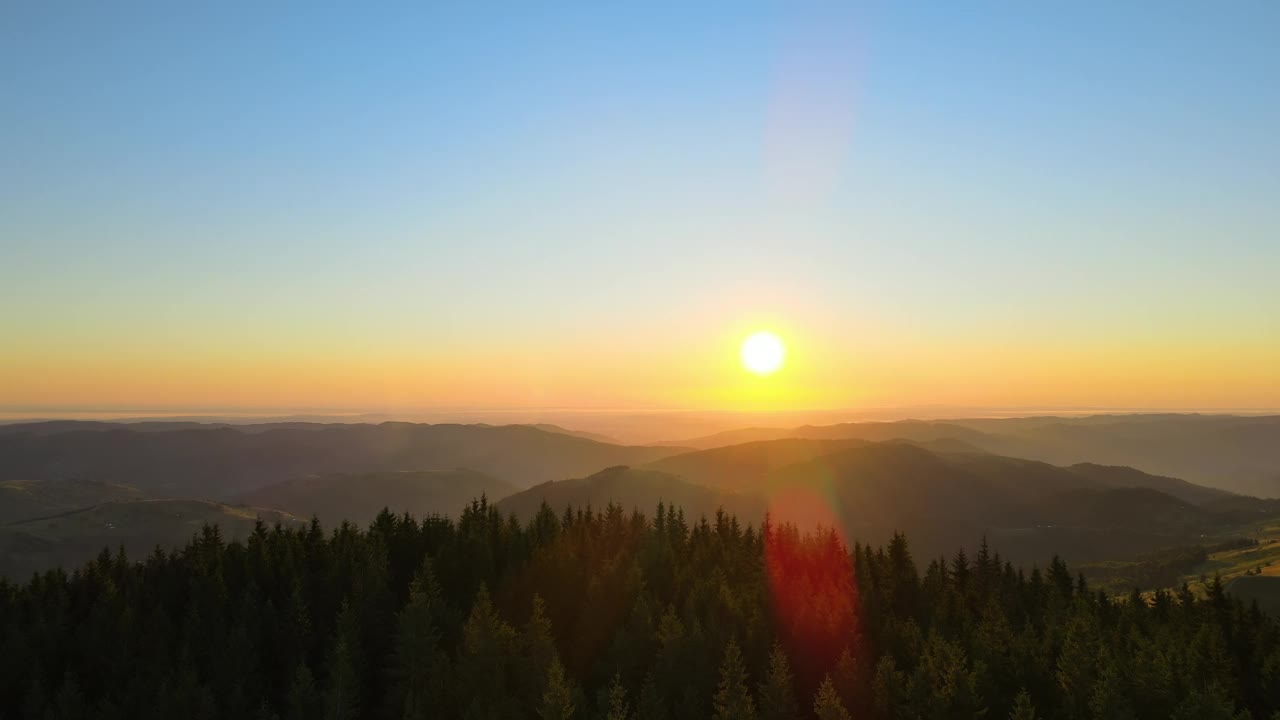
419	665
557	699
652	620
945	683
304	700
733	700
827	705
485	662
618	709
1023	709
342	701
777	692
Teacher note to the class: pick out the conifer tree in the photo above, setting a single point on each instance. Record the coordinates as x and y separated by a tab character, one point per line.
418	664
1023	709
889	688
342	698
264	712
236	629
537	652
777	692
618	709
1211	704
1109	700
484	662
826	703
649	705
733	699
557	699
1077	664
69	703
850	682
943	685
304	700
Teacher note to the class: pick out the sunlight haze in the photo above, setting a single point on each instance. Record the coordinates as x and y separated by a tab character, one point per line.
591	206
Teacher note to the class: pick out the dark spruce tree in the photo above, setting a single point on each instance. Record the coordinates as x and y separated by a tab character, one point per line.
602	613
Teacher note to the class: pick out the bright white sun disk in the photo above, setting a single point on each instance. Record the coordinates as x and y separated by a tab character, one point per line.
763	353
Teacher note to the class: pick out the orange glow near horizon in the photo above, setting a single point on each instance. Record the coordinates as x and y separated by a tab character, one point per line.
694	366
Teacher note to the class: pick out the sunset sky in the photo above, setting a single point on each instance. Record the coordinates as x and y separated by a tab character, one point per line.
223	205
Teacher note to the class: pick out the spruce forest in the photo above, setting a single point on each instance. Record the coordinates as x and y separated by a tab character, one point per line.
613	615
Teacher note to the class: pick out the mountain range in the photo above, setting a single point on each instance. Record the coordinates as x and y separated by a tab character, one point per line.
944	483
1240	454
223	462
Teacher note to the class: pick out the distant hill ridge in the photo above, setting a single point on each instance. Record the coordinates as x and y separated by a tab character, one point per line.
1237	453
359	497
228	461
633	489
915	477
138	526
25	500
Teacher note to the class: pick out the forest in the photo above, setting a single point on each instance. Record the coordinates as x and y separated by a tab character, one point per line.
612	614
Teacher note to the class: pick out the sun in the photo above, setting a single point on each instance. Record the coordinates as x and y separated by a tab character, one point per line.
763	353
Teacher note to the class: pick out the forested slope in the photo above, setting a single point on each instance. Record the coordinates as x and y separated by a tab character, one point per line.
613	615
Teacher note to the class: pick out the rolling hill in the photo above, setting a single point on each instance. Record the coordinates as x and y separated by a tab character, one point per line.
634	489
746	466
915	430
139	526
1239	454
26	500
1236	453
1030	509
940	482
359	497
223	462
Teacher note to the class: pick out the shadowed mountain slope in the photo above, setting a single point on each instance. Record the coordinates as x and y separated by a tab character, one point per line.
359	497
25	500
70	539
634	489
1238	454
944	498
1027	508
222	462
744	467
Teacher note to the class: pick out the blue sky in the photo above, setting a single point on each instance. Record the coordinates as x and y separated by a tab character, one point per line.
459	182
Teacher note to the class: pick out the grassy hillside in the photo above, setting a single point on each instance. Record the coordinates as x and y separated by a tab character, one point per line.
24	500
140	526
1246	556
359	497
1261	558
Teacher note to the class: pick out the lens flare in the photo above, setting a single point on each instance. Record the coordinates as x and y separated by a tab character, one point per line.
812	585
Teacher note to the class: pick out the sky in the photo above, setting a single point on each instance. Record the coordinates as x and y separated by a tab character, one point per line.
258	206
